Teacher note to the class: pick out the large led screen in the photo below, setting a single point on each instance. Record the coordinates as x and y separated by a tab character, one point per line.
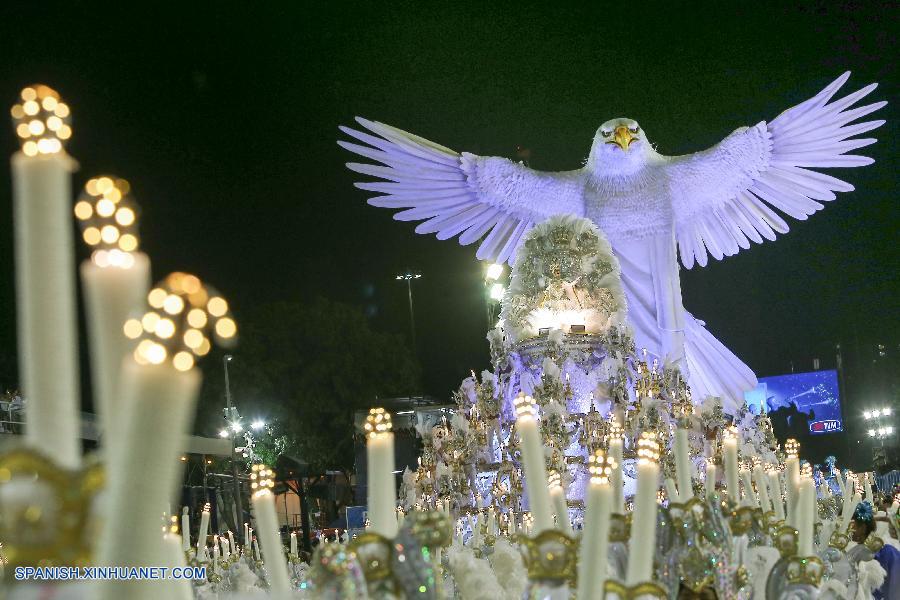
811	398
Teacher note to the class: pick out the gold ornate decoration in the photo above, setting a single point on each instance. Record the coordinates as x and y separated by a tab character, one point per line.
431	528
786	541
805	570
373	551
45	511
551	555
874	543
647	589
839	540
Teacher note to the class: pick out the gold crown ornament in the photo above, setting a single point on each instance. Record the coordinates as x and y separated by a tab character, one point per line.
373	552
786	541
551	556
805	570
45	511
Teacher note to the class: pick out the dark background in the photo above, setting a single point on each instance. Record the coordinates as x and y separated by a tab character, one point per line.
224	118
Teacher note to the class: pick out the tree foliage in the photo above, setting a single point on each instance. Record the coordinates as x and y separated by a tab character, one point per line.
308	366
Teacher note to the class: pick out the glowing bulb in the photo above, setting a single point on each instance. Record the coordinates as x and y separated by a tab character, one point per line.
91	236
173	304
217	306
193	338
257	425
125	216
165	328
157	297
128	243
156	354
183	361
225	328
133	329
224	433
83	210
105	208
197	318
109	234
497	291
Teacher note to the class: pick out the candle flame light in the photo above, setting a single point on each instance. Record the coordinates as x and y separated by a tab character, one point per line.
207	507
183	314
615	431
554	480
262	480
601	467
378	422
524	405
42	121
730	433
792	448
107	214
806	471
648	448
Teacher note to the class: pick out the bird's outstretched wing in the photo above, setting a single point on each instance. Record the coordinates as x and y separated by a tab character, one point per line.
723	197
460	194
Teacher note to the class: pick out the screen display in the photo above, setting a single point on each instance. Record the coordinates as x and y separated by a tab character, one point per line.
809	399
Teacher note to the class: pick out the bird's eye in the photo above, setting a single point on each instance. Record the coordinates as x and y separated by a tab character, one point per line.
606	133
634	129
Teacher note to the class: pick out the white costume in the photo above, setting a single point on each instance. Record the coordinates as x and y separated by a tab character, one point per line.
713	202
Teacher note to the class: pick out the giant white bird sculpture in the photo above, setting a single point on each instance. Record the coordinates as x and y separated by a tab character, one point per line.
714	202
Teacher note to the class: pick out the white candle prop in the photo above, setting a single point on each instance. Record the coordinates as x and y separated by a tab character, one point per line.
592	565
683	466
223	541
116	280
256	555
261	484
867	482
750	498
777	500
730	460
204	529
177	589
558	499
616	450
293	544
762	488
159	390
806	507
492	521
382	488
231	545
642	544
792	478
45	282
710	483
246	533
533	458
215	547
671	490
185	529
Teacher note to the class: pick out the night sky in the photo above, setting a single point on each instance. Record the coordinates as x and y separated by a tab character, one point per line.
224	119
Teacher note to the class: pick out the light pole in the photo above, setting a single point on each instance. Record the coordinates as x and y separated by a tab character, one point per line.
408	277
880	427
233	419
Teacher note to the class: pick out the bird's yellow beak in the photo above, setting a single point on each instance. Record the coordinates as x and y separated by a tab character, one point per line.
622	138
